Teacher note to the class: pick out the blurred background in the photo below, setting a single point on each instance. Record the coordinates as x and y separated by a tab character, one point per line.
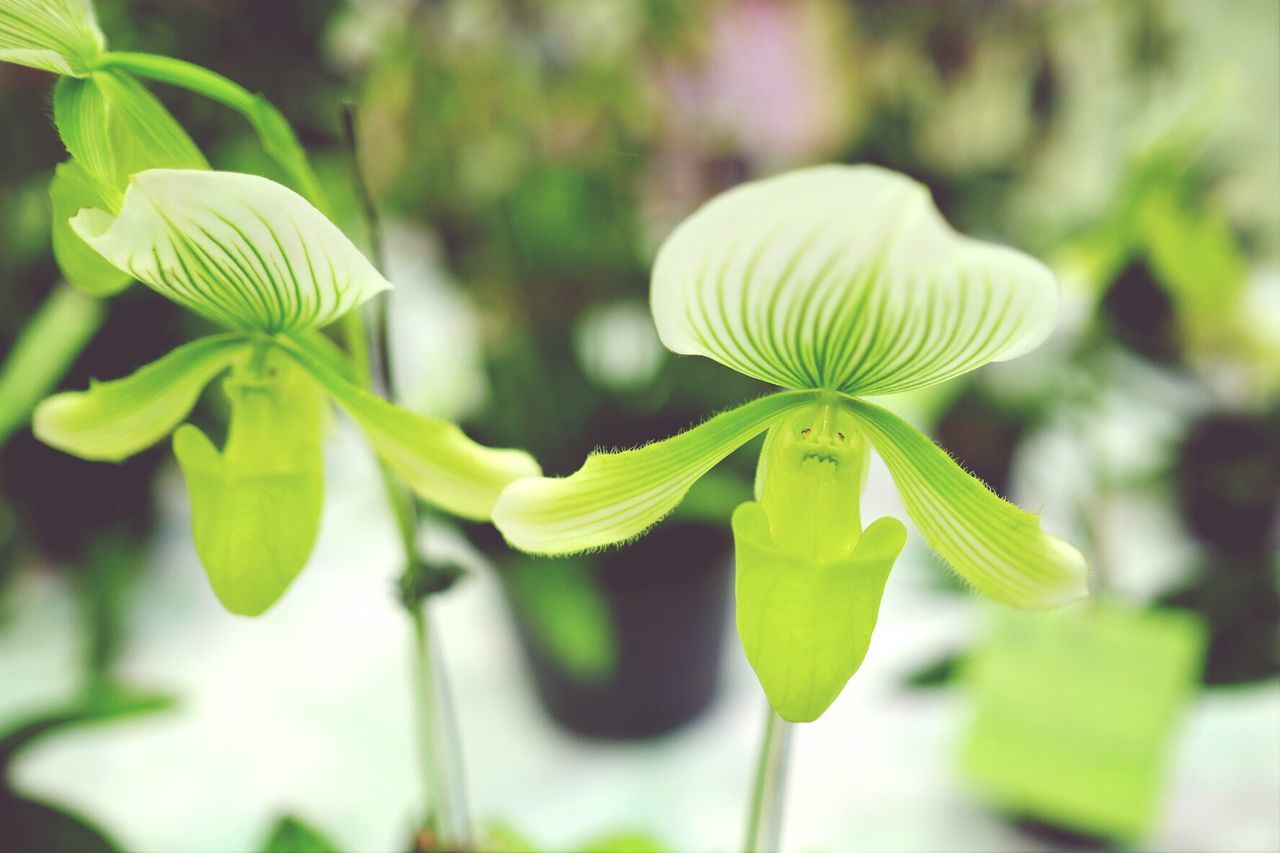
527	158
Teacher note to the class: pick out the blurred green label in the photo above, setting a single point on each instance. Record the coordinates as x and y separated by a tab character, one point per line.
1076	711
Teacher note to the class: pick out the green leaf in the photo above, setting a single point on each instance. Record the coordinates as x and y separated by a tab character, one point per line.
806	624
48	345
115	128
436	459
108	703
292	835
844	278
241	250
72	190
617	496
60	36
256	506
994	545
116	419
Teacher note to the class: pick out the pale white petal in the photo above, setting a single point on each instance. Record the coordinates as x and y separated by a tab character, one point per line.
241	250
844	278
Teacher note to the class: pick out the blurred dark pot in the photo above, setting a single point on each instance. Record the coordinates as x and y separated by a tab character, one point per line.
624	643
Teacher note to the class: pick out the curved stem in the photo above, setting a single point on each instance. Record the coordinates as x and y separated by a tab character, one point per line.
764	821
273	129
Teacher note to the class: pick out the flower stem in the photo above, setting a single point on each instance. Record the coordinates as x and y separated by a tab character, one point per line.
445	813
274	131
764	821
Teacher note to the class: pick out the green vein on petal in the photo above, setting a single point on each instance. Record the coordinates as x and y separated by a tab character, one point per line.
243	251
844	278
997	547
617	496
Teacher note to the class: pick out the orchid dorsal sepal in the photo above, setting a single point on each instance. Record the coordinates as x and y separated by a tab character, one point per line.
835	282
241	250
59	36
845	278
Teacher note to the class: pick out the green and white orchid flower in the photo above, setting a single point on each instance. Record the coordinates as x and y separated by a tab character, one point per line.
835	283
258	259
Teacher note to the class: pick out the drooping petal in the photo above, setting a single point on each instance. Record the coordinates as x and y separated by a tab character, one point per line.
242	250
116	419
806	624
617	496
61	36
115	128
844	278
435	457
994	545
255	506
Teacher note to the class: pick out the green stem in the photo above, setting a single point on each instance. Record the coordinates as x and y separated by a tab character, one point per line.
445	809
445	814
273	130
764	822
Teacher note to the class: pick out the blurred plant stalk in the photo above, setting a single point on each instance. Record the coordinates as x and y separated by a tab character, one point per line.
445	812
768	793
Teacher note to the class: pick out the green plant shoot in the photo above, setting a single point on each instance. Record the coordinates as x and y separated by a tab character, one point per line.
835	283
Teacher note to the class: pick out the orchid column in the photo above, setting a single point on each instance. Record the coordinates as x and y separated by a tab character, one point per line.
833	283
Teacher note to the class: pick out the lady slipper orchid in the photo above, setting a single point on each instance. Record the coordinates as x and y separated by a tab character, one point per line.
834	283
259	260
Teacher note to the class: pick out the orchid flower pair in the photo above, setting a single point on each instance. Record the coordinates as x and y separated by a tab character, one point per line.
835	283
